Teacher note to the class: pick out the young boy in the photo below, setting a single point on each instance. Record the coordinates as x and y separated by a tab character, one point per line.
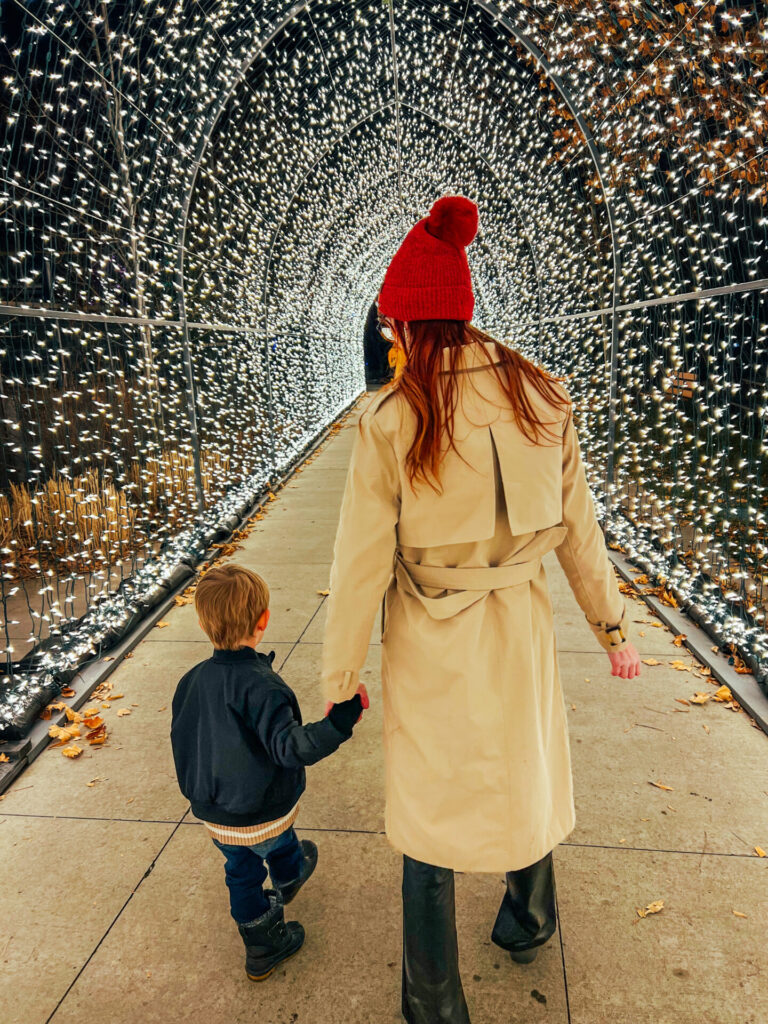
240	751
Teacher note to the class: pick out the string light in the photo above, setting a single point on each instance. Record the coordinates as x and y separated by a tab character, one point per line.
258	163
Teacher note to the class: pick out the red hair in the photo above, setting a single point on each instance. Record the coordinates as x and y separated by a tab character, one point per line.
433	395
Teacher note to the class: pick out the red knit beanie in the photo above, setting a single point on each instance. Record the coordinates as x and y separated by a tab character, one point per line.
428	278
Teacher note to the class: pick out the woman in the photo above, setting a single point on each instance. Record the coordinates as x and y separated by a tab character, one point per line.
466	469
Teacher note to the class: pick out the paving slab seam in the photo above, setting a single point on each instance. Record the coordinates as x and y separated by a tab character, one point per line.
116	918
297	642
562	958
654	849
88	817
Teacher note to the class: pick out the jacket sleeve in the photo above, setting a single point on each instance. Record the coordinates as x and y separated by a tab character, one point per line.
583	555
363	558
289	744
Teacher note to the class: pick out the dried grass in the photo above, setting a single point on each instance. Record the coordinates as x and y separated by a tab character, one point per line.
81	523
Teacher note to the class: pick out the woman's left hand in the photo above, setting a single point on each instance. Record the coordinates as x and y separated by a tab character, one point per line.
363	697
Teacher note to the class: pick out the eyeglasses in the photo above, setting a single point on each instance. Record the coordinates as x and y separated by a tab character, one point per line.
385	329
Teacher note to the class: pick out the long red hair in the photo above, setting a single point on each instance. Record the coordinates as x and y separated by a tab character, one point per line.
433	395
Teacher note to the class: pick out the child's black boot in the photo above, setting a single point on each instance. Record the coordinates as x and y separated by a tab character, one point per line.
269	940
308	865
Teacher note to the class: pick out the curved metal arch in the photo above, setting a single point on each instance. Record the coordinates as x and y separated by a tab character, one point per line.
592	146
393	174
478	156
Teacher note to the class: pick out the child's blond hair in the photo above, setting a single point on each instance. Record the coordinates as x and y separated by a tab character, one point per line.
229	601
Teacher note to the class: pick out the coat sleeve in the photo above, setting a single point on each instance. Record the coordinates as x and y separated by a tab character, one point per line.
583	555
363	557
288	743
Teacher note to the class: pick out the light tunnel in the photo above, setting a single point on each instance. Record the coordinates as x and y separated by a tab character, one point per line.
199	203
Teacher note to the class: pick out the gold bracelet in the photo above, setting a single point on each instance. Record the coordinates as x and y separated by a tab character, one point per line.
615	629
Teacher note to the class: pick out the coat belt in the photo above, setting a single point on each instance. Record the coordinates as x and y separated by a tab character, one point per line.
484	578
471	584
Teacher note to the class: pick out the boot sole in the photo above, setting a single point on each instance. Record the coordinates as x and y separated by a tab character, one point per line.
525	956
263	977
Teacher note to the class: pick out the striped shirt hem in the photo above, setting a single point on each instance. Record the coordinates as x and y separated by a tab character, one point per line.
251	835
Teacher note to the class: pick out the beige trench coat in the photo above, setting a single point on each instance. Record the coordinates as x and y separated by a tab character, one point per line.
478	773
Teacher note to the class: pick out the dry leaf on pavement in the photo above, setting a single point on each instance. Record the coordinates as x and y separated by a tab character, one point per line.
324	593
73	751
64	733
122	712
660	785
162	624
722	694
760	851
650	661
652	908
738	913
98	736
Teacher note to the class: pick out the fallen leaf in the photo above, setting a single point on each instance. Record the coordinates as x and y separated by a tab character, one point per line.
64	733
162	624
73	716
122	712
738	913
652	908
109	657
700	698
705	727
680	700
93	722
130	799
128	655
116	696
98	736
90	712
163	707
324	593
67	691
678	640
73	751
722	694
650	661
660	785
4	759
760	851
105	705
645	819
573	707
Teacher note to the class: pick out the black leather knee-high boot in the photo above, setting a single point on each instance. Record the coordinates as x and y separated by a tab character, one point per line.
527	916
432	992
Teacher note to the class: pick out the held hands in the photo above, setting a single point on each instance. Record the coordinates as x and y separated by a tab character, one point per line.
626	662
361	702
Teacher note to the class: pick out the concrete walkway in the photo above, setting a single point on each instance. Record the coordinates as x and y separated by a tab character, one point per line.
113	907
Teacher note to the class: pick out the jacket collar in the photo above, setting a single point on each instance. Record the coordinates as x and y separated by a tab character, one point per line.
242	654
471	357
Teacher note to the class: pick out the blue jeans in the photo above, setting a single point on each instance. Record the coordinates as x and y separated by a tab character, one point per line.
245	872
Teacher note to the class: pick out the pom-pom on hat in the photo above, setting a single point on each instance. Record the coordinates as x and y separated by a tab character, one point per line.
428	278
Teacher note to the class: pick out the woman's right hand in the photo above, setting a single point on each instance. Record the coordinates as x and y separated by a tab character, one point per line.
626	662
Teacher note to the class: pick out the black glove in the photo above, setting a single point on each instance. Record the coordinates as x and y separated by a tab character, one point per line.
344	715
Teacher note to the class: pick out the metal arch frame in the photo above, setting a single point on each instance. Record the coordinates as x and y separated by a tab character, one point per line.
478	156
212	120
595	154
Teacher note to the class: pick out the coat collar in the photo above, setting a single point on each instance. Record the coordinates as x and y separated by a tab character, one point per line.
242	654
471	357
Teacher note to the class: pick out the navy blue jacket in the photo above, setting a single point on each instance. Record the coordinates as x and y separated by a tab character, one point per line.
238	742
